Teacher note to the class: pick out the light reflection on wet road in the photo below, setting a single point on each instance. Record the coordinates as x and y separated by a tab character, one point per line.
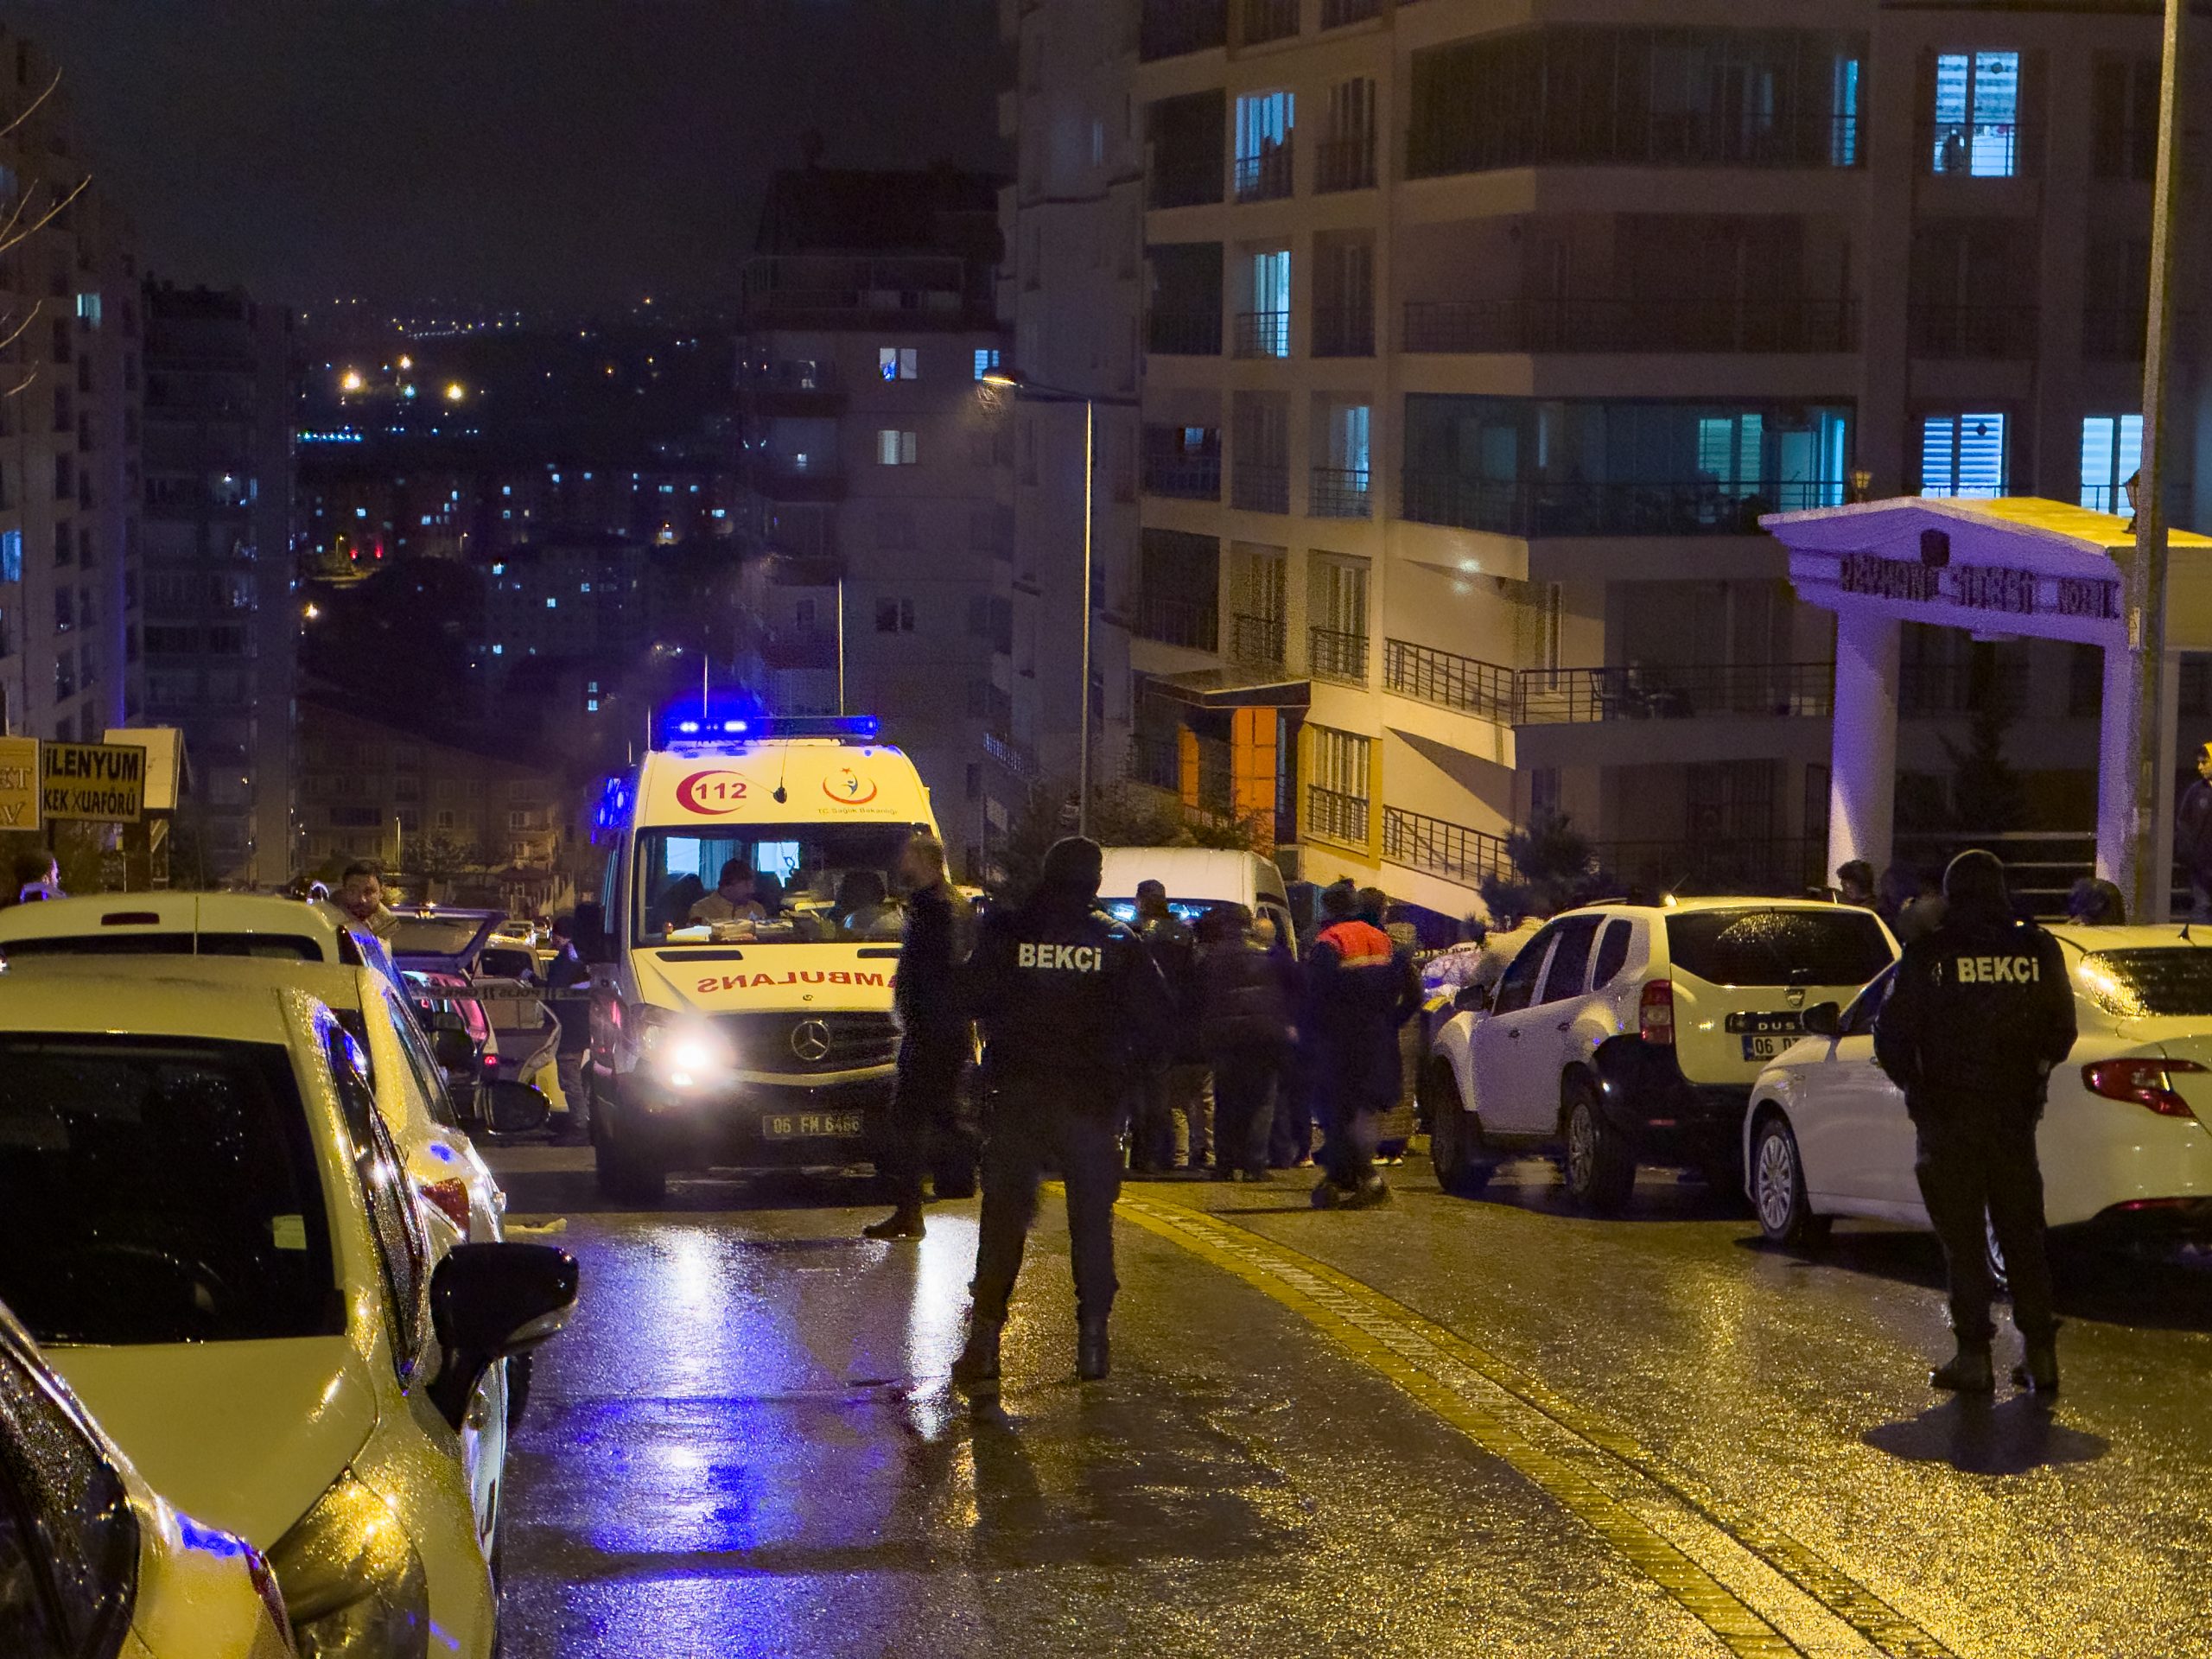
744	1445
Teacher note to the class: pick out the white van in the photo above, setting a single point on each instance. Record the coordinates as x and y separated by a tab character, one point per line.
1197	879
746	1042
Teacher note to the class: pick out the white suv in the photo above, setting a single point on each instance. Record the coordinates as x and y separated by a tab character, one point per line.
1628	1034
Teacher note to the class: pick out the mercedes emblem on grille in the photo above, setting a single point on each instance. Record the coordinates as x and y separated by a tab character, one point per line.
810	1040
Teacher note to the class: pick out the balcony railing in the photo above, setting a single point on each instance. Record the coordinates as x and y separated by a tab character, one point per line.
1772	865
1263	333
1156	759
1338	492
1195	625
1183	333
1552	696
1331	654
1335	14
1344	164
1257	641
793	375
1450	680
1454	851
1343	331
1629	325
1977	149
1265	177
1169	29
1178	183
1972	331
1260	487
1536	509
915	289
1188	478
1333	816
1270	20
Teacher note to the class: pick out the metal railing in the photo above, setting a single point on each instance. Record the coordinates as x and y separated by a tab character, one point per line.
800	374
1545	508
1449	680
1257	641
1260	487
1469	138
1183	333
1264	334
1194	625
1344	164
1555	697
1333	816
1189	477
1331	654
1976	149
1338	492
1156	761
1270	20
1623	325
1335	14
1972	331
1454	851
1343	331
1265	177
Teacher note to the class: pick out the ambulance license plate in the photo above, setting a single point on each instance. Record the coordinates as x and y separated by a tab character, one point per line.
807	1126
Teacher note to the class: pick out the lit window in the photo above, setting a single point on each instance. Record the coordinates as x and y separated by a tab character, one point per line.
583	586
551	603
498	569
1963	455
498	650
2112	449
897	363
426	521
1977	114
987	360
88	309
894	449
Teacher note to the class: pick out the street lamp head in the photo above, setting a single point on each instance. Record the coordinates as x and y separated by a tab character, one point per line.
456	393
1002	379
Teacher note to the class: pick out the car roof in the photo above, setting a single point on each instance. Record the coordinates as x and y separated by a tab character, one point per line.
170	912
338	985
1717	901
140	1004
2174	936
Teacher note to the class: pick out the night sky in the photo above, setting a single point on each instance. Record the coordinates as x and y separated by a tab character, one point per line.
507	150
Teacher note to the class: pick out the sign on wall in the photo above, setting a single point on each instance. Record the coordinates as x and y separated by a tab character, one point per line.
19	782
99	783
1980	587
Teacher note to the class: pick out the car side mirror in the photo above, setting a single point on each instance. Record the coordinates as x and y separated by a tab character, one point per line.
489	1302
454	1047
593	944
510	1108
1824	1020
1470	998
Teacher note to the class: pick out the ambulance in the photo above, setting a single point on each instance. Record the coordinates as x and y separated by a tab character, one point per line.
755	1039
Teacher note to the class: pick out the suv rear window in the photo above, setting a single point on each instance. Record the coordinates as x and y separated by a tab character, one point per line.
282	947
1763	945
2145	984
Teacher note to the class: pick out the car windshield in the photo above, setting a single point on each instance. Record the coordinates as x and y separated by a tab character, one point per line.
1190	912
1765	944
811	882
157	1190
432	936
2155	982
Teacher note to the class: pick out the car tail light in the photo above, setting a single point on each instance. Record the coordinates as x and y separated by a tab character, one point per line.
451	1200
2147	1083
1654	1013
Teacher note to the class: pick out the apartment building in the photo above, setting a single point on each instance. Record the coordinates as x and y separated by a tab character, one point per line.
222	620
1476	339
876	470
69	424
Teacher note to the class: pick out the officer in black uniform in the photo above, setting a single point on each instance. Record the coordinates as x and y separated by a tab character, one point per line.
1979	1013
1069	1003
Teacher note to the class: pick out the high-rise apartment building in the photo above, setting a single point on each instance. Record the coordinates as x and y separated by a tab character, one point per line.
220	626
69	424
876	470
1475	340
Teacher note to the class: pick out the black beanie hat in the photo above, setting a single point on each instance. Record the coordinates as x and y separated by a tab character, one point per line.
1073	866
1975	889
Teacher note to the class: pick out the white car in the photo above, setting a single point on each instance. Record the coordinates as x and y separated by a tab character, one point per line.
92	1560
204	1219
2123	1139
1630	1034
190	923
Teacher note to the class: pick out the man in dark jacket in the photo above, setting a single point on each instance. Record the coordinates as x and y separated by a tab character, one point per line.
1248	1002
2193	837
1174	1119
567	977
1069	1002
1979	1013
1355	999
934	1043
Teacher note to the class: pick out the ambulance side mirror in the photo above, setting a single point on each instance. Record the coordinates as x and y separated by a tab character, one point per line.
593	944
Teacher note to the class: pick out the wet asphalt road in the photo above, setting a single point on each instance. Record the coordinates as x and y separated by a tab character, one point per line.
1447	1427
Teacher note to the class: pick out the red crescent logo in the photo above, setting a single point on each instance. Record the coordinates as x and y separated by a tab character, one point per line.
688	794
848	787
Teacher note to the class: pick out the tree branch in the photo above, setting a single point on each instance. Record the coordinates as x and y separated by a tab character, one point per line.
31	108
9	242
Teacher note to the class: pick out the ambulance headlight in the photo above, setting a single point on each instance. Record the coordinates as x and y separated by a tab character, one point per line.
686	1054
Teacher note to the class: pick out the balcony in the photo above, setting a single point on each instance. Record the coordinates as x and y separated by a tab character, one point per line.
1437	847
791	478
1170	29
1156	759
799	386
1194	625
1183	333
838	290
1341	164
1270	20
1331	815
1185	478
1260	487
1338	492
1554	697
1539	509
1257	641
1264	177
1450	680
1979	151
1986	332
1331	654
1343	331
1625	326
1263	333
1337	14
1175	181
2116	333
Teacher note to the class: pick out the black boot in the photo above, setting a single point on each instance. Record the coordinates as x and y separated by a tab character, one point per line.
976	1371
1091	1359
2037	1371
905	1222
1967	1371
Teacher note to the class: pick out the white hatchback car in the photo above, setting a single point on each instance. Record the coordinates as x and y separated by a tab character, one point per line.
203	1217
2123	1141
92	1561
1628	1034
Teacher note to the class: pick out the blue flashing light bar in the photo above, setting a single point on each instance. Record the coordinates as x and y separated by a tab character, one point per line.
689	723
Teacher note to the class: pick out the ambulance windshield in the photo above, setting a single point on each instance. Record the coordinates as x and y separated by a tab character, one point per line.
770	884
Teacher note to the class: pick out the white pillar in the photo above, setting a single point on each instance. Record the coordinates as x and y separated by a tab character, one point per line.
1863	756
